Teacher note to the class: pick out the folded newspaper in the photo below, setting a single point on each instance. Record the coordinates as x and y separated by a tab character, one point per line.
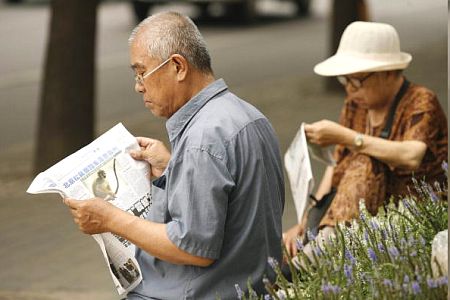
298	167
105	169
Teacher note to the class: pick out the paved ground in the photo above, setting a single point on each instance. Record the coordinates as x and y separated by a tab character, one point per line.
42	255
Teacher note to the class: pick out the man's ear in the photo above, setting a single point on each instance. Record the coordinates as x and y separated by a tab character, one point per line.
181	65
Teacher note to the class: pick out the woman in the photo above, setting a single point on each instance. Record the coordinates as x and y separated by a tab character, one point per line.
389	128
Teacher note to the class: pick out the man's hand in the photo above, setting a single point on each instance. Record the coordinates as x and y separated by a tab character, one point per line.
154	152
92	216
325	133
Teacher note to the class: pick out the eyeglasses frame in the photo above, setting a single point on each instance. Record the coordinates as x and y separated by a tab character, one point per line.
139	78
357	83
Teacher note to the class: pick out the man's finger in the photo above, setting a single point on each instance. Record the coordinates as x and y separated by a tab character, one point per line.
72	203
74	213
145	141
138	155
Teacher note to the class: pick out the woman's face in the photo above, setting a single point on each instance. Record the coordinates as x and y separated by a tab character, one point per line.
373	90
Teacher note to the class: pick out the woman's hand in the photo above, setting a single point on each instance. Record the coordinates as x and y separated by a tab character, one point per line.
326	132
290	238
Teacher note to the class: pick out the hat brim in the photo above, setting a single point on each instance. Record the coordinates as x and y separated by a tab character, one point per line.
344	64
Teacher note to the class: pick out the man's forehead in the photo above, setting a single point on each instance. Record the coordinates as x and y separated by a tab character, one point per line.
138	56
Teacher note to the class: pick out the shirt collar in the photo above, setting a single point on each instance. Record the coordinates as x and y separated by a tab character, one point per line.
179	119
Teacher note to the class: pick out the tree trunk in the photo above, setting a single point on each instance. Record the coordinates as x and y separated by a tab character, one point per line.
344	12
66	116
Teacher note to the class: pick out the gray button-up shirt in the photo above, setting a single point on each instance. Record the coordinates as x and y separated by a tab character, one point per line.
221	196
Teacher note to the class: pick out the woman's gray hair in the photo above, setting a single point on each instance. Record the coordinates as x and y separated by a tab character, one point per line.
168	33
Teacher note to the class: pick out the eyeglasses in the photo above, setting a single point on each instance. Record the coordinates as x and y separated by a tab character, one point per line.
139	78
355	82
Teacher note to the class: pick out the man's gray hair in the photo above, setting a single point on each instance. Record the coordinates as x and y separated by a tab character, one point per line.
168	33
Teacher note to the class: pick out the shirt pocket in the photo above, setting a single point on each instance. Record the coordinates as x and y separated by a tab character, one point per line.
158	211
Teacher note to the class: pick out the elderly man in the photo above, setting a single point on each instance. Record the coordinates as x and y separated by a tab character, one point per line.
219	196
389	129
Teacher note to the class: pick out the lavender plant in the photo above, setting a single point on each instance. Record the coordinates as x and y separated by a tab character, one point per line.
383	257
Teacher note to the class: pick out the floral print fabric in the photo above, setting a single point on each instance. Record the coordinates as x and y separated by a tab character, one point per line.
418	116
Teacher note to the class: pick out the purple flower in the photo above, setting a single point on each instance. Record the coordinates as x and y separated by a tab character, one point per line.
362	216
366	236
350	257
299	244
388	283
393	251
409	206
432	194
310	235
442	281
374	225
434	197
372	255
329	288
267	297
431	283
413	253
422	241
326	288
317	250
240	293
383	234
381	247
415	287
406	279
348	272
403	243
335	289
272	262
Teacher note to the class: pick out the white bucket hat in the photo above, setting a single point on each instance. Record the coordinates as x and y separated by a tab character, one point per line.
365	47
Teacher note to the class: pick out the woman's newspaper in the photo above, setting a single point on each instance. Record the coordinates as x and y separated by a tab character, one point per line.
298	168
105	169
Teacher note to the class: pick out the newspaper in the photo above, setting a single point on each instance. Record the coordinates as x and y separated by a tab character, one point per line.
298	167
105	169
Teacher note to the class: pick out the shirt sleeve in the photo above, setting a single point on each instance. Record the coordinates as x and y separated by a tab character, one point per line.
421	120
198	202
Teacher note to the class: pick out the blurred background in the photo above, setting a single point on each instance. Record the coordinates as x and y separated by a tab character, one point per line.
265	50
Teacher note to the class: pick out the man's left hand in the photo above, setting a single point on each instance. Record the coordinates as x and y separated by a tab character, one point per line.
325	133
92	216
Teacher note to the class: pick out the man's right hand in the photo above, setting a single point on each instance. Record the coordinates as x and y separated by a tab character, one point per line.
154	152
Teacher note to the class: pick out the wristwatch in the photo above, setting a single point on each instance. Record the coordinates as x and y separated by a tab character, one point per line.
358	141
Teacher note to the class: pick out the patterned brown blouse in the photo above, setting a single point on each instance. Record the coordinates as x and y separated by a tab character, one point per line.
418	116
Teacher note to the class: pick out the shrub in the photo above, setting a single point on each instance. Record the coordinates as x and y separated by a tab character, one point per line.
383	257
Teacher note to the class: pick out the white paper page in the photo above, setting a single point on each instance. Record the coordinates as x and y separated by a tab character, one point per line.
298	167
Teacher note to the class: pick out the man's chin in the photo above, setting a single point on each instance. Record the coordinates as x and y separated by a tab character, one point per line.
156	112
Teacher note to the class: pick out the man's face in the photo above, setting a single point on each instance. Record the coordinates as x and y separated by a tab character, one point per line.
371	92
157	89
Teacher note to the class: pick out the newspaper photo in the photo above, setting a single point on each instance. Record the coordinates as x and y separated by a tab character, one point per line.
298	167
105	169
